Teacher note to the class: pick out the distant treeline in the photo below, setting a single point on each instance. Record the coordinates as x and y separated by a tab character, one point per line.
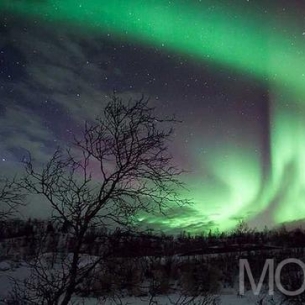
145	263
130	243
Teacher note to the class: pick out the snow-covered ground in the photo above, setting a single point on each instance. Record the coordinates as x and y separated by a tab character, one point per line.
21	271
248	299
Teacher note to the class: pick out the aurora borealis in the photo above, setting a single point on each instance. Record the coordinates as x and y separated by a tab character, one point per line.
234	71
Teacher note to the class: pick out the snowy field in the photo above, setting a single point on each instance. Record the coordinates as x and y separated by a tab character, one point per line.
224	300
229	297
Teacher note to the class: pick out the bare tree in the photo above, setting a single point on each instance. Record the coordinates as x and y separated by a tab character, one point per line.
119	167
11	198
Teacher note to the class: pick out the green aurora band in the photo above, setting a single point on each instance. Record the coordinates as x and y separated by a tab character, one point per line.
269	48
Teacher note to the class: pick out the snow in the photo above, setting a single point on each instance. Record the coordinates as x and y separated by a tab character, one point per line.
19	273
248	299
4	266
22	271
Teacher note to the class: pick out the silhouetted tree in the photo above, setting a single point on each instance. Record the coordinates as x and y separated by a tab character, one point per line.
11	198
119	167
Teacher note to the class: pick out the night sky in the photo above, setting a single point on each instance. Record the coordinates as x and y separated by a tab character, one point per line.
232	71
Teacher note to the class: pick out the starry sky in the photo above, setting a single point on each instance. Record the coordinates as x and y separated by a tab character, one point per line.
232	71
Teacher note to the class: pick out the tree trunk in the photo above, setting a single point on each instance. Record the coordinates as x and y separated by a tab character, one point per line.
73	275
68	295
